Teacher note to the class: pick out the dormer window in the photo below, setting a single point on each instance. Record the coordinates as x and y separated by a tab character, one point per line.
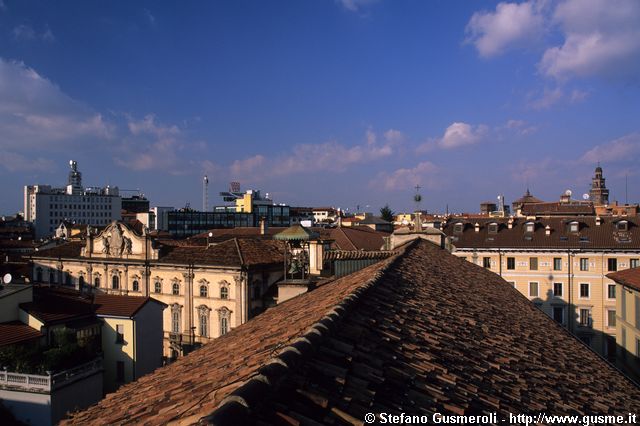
458	227
529	227
574	227
623	225
493	228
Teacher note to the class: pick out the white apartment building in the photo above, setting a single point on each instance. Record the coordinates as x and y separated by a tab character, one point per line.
46	206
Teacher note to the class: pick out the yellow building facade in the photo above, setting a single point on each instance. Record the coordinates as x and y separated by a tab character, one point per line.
628	320
555	264
208	289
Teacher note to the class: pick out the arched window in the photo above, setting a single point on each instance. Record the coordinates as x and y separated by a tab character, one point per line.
175	288
203	320
175	318
224	326
81	282
224	292
204	325
52	277
39	275
135	285
157	287
67	279
224	314
115	282
96	282
203	290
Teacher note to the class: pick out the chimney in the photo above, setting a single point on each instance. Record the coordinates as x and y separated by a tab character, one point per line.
477	227
417	222
510	223
263	226
547	230
598	221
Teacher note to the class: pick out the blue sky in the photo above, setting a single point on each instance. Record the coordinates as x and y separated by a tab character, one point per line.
322	102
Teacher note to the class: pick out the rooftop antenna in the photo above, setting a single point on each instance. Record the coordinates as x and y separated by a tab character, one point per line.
205	193
417	225
417	198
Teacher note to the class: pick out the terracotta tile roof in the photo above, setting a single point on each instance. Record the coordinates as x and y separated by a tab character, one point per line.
120	306
527	198
220	235
356	254
180	391
590	236
374	220
54	305
557	208
628	277
356	238
71	249
417	333
234	252
13	332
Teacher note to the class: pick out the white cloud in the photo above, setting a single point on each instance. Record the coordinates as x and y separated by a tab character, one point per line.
534	171
14	162
355	5
394	136
2	5
601	38
461	134
626	148
425	174
547	99
554	96
148	125
521	127
511	25
34	112
24	32
149	16
151	145
47	35
249	165
329	156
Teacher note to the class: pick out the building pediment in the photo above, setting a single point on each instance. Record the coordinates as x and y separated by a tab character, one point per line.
117	240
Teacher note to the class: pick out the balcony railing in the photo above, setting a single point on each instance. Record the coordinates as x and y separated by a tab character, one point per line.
48	383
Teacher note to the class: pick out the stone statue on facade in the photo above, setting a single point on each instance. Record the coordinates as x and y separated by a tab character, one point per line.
105	244
127	245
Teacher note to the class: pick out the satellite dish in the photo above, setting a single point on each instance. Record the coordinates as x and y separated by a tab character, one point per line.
568	193
7	278
585	196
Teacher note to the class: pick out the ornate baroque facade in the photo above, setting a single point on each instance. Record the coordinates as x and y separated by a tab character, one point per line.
209	289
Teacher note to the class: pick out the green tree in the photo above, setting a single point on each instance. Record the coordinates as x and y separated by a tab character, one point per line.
387	214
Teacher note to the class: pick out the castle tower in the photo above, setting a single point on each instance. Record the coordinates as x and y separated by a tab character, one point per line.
599	193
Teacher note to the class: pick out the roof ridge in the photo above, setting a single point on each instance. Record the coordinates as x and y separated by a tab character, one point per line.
235	239
349	239
237	405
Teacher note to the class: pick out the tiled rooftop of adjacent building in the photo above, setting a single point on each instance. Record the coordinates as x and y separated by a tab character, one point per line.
53	305
420	332
232	252
590	235
13	332
627	277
